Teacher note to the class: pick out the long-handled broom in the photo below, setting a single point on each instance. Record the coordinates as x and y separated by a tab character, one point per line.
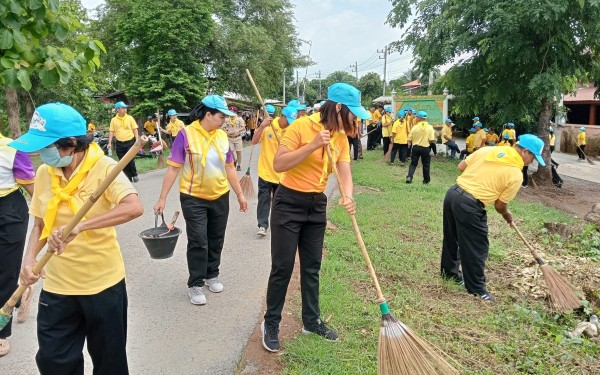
262	103
400	351
585	156
246	180
6	310
561	292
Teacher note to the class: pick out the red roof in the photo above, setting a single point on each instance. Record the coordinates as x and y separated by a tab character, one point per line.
583	94
414	83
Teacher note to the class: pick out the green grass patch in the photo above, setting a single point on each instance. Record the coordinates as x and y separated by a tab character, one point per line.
402	229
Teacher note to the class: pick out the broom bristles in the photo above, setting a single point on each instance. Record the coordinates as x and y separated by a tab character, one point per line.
4	318
246	184
561	292
403	352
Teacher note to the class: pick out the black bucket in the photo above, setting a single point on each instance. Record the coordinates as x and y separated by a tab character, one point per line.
159	243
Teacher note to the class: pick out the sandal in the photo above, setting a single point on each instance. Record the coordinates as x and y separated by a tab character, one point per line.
23	310
4	347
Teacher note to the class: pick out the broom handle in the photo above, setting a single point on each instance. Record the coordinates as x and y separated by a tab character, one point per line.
262	103
252	148
534	253
77	218
364	135
357	231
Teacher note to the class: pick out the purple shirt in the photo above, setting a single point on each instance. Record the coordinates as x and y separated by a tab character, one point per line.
23	167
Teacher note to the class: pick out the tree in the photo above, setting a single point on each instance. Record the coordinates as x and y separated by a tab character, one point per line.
370	86
33	44
511	57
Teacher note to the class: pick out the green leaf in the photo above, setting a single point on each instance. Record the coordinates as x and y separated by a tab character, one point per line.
100	45
35	4
10	77
61	33
89	53
53	5
49	77
6	39
6	62
49	65
19	37
96	60
581	3
64	76
16	8
23	77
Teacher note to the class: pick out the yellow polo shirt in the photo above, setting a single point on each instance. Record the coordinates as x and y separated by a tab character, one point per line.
511	133
470	142
386	120
308	175
375	117
122	127
410	122
492	173
421	134
446	131
552	139
492	138
581	139
174	127
399	131
504	142
91	127
268	149
150	127
480	137
91	262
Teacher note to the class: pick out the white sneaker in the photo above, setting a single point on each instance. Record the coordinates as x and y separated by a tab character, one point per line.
214	285
197	296
261	232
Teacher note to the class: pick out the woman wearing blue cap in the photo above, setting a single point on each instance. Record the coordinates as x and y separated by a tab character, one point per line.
124	128
298	216
201	153
84	297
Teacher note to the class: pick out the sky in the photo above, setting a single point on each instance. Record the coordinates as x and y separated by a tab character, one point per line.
355	31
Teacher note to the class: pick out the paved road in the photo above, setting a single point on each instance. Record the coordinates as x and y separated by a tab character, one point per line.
168	335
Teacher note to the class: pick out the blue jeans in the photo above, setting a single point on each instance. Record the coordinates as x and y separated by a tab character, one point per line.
453	148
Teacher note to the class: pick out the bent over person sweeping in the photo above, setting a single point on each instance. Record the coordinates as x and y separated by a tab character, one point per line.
84	296
298	216
491	175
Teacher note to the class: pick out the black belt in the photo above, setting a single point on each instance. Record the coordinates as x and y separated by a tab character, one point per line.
468	196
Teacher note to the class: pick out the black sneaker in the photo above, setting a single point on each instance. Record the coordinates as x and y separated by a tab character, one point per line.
270	337
238	168
409	180
321	329
486	297
135	179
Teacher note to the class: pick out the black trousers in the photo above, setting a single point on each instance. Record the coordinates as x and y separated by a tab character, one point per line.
464	153
205	224
525	176
453	148
465	240
371	137
65	322
433	147
551	149
14	218
401	150
581	152
266	191
386	145
297	222
353	143
121	149
422	153
378	135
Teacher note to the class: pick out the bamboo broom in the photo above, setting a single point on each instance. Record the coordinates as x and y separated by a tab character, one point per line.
585	156
262	103
246	180
400	351
6	310
561	292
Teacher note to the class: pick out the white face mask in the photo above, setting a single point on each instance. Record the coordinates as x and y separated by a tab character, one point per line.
51	157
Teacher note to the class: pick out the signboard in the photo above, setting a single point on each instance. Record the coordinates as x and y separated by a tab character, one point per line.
432	104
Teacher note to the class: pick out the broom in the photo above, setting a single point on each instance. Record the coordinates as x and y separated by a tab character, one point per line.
246	180
160	160
400	351
262	103
6	310
585	156
561	292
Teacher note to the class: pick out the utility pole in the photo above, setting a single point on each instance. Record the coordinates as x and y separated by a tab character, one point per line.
355	69
284	86
385	53
429	91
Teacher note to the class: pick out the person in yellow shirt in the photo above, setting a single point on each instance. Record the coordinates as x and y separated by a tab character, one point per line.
268	179
372	128
510	130
150	126
386	127
298	217
505	140
420	138
492	138
91	127
83	296
448	139
125	130
491	175
470	145
400	139
552	141
201	153
581	144
480	136
174	126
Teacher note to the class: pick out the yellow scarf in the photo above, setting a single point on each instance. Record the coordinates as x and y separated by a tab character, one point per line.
505	155
315	120
211	139
66	194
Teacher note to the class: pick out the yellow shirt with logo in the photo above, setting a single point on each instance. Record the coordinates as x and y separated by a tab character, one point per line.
251	123
386	120
209	181
421	134
174	127
581	139
470	142
512	134
480	138
446	131
375	117
91	262
123	127
492	173
400	133
268	149
150	127
308	175
552	139
492	139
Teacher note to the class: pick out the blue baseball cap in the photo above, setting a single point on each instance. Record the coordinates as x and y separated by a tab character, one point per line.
50	122
486	130
582	129
510	124
270	109
472	130
290	113
506	136
551	129
387	108
323	102
217	102
422	114
478	125
172	112
402	113
534	145
475	118
120	105
349	96
149	117
293	103
448	120
301	107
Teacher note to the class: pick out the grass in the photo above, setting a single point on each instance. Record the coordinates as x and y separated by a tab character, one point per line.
402	228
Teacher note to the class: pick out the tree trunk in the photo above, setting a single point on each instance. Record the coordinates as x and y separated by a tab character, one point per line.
12	107
544	175
29	108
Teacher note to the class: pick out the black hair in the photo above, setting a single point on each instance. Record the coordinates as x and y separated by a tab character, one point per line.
330	120
82	143
200	111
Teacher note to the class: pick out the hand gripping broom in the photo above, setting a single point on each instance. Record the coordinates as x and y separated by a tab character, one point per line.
262	103
246	180
561	292
400	351
6	310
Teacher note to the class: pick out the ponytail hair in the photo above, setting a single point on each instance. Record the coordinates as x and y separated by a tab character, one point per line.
200	111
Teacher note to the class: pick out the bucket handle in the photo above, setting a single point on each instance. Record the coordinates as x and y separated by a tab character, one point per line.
156	220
